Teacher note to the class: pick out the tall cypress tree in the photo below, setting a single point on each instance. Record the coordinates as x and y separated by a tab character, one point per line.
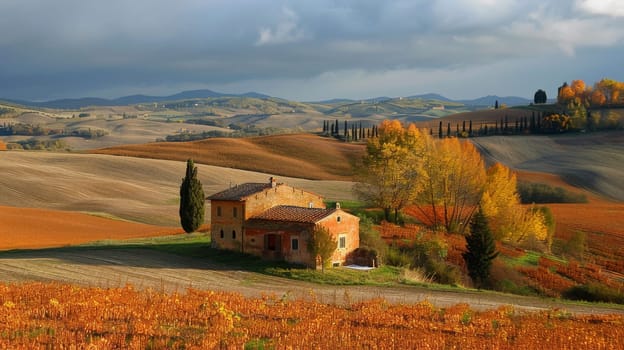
191	199
481	250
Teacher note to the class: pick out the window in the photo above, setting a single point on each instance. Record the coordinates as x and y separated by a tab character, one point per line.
218	211
233	234
234	212
338	219
294	244
342	242
222	234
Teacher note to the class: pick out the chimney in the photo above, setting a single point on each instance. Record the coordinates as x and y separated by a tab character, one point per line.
273	181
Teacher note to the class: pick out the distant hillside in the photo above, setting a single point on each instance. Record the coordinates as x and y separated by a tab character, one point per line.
491	101
78	103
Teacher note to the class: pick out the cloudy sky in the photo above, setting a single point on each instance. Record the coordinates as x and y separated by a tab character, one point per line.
306	50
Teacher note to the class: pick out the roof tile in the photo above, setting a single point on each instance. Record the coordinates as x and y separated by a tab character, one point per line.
239	192
290	213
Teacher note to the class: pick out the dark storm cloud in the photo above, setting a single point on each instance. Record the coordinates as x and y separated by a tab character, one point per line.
300	49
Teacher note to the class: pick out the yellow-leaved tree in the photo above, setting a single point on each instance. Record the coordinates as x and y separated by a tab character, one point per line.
389	175
452	183
500	198
509	220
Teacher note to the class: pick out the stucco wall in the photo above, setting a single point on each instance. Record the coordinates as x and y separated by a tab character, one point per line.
349	226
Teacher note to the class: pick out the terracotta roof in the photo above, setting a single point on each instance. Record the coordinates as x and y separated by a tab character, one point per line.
289	213
239	192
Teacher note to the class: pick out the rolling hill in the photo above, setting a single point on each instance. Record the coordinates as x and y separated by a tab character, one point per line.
134	189
296	155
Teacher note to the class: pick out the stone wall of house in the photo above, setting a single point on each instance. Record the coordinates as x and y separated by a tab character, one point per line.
256	236
227	217
341	223
281	195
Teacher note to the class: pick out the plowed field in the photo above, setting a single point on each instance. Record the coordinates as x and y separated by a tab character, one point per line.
37	228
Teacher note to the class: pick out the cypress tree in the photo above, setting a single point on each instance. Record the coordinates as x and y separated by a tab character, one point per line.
470	128
448	129
464	126
346	130
480	250
440	130
191	199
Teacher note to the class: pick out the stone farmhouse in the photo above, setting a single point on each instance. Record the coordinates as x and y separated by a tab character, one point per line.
274	221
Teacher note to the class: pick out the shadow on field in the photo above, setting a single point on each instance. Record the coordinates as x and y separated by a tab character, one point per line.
158	255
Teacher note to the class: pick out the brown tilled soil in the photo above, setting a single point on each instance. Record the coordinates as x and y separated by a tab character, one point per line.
22	228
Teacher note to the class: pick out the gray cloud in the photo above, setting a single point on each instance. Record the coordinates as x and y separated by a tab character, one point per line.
305	49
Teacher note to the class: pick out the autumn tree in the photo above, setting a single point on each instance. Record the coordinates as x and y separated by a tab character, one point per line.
192	200
509	220
597	98
452	180
611	89
388	177
500	198
322	245
480	250
540	97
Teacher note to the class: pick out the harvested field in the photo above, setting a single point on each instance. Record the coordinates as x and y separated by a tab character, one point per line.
141	190
594	162
295	155
23	228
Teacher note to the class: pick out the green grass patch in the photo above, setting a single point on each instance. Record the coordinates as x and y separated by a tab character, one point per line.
385	275
542	193
530	258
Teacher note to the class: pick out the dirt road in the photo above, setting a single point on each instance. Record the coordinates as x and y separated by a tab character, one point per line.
145	268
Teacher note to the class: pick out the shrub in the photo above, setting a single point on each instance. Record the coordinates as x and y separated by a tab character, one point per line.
542	193
397	257
594	292
371	239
